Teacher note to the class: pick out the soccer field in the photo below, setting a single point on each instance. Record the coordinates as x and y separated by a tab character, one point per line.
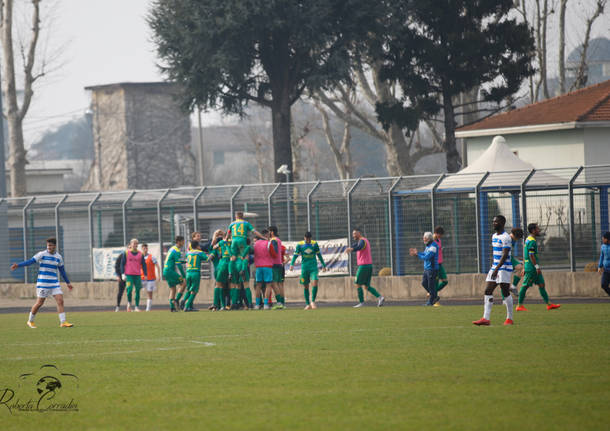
395	367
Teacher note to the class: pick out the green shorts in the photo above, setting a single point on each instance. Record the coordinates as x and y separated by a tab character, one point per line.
532	277
514	262
132	281
278	273
442	274
244	269
363	275
309	273
172	277
238	245
193	279
222	271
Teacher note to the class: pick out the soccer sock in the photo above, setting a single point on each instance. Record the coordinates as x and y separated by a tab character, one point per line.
314	293
31	318
516	279
189	301
278	298
266	301
544	295
522	292
148	304
360	295
306	294
62	317
258	300
508	301
171	304
234	296
217	297
129	291
440	285
178	296
489	301
137	297
374	292
248	296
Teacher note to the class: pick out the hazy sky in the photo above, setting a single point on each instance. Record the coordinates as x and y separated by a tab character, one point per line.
108	41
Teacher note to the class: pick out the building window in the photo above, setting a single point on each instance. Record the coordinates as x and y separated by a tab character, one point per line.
219	157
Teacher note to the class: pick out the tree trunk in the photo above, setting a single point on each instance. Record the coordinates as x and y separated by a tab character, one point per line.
562	46
17	154
449	145
282	149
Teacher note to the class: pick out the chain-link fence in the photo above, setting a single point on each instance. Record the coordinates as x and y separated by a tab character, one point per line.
569	204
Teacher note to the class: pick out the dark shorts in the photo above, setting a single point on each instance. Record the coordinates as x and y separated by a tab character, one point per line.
363	275
605	279
428	281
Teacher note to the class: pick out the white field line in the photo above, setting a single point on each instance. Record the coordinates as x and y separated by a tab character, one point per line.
120	352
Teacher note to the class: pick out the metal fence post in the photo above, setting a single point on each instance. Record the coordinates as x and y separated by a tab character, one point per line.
477	209
61	201
433	201
195	212
524	200
160	228
571	218
124	215
313	189
277	186
90	217
349	220
231	204
390	223
24	215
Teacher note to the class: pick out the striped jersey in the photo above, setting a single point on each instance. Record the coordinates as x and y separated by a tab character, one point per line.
49	269
499	243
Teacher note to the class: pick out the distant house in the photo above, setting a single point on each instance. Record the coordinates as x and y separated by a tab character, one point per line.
44	177
141	138
569	130
597	61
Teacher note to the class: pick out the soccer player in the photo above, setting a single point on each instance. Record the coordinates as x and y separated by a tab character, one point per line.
119	274
173	278
308	250
194	258
238	231
441	274
604	262
431	265
264	255
362	247
221	273
133	266
150	279
244	275
51	264
278	268
532	273
499	274
516	234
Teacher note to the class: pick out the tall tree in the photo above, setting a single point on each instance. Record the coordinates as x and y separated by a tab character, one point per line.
15	113
227	53
439	49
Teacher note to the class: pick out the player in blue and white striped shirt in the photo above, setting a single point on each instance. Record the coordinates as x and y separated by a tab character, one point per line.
500	273
51	264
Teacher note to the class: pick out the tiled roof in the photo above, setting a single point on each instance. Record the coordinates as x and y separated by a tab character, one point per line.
584	105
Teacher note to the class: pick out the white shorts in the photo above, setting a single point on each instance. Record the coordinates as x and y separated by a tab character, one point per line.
503	277
43	292
150	285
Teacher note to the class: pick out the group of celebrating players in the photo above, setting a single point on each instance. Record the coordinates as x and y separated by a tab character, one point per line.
232	255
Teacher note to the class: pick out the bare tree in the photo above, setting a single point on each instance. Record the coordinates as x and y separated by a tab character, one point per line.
563	4
342	152
581	74
15	113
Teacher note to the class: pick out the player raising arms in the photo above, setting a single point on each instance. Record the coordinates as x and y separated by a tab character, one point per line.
532	273
362	247
51	264
499	274
308	250
173	259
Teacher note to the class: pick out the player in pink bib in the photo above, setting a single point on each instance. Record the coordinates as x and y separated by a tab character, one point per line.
362	247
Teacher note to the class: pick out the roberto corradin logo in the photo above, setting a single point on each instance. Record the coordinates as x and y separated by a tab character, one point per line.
46	390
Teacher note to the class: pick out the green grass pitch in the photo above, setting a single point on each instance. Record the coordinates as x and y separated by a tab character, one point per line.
332	368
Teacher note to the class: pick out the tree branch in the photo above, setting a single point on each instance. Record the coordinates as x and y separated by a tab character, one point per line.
29	64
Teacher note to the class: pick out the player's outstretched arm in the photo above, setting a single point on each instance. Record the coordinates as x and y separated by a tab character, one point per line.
28	262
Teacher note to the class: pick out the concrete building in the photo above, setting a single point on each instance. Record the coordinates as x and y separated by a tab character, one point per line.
569	130
141	138
43	177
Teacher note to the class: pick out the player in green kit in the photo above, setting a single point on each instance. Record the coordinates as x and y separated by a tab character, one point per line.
221	273
194	258
245	294
532	273
173	278
308	250
238	231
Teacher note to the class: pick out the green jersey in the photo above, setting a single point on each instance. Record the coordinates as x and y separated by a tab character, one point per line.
531	249
173	259
240	229
308	253
194	258
224	249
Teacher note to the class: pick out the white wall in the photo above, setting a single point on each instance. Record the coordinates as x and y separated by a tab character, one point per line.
597	146
544	150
